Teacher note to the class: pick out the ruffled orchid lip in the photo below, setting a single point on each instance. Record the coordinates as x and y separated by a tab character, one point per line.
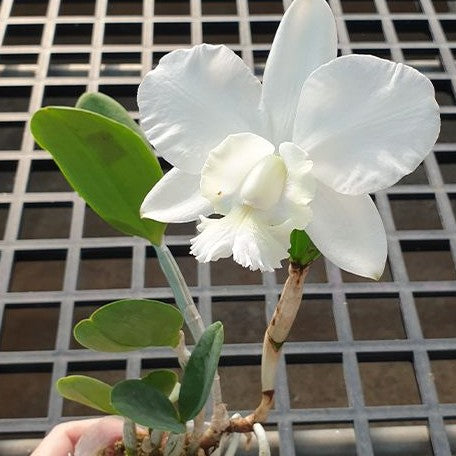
243	234
262	202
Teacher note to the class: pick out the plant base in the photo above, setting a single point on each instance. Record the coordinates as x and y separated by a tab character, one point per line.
118	449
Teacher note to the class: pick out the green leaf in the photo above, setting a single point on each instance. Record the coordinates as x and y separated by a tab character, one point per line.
107	163
163	380
302	250
146	405
108	107
199	372
88	391
89	336
130	324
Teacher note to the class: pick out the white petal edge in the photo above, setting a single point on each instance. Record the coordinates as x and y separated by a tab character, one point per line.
306	38
228	165
366	122
194	99
349	232
176	198
243	234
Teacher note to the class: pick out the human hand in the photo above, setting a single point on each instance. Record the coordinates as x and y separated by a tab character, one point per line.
62	439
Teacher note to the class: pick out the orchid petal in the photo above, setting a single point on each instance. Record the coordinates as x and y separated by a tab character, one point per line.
194	99
366	122
244	235
176	198
306	38
228	165
349	232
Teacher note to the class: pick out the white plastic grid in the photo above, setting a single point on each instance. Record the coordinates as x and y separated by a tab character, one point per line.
420	33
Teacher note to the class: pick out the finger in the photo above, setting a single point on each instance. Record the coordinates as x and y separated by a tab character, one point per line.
63	438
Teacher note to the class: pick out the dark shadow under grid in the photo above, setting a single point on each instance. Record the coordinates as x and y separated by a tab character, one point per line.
29	8
11	135
37	325
7	175
77	8
34	395
37	270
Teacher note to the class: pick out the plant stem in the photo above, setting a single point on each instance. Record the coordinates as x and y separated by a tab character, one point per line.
156	438
187	306
181	292
277	333
275	336
234	440
223	440
198	429
129	437
174	445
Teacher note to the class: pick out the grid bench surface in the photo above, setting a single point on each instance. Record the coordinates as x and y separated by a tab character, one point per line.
361	355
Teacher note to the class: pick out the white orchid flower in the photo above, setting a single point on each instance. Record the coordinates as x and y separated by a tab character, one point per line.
302	150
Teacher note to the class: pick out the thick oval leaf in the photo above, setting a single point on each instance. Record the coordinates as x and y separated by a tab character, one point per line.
107	163
199	372
145	405
130	324
302	250
89	336
88	391
163	380
108	107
